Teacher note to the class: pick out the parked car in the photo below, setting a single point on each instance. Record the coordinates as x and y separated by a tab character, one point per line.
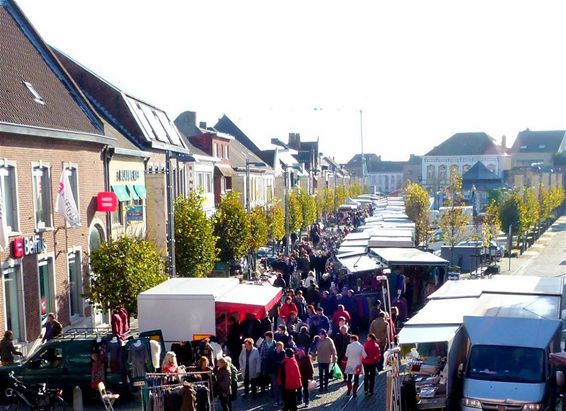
65	362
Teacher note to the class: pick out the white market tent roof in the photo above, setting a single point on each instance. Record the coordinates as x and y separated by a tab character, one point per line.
247	294
425	334
408	256
501	285
359	263
344	251
357	236
211	287
382	241
444	312
355	243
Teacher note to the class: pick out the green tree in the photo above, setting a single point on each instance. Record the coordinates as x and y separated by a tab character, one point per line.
531	204
356	190
295	211
453	220
232	228
342	194
308	208
276	221
417	204
195	250
491	224
513	213
259	228
123	269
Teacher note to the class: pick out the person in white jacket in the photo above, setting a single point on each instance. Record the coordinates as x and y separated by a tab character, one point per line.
250	366
354	353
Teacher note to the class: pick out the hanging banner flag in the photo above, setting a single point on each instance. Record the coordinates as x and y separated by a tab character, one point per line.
3	223
66	204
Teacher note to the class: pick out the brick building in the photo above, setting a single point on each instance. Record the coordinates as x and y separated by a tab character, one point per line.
47	128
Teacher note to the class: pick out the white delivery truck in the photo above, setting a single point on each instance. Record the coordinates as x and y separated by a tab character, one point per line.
187	309
497	320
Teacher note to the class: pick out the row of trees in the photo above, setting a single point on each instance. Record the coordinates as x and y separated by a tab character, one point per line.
128	266
521	209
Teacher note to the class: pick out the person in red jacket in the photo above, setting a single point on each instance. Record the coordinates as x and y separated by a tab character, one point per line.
373	352
341	312
287	308
290	379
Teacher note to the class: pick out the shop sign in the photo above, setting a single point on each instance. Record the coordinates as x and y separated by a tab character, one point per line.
127	175
106	201
135	213
23	246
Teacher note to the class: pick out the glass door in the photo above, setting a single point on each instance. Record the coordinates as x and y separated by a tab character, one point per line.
46	303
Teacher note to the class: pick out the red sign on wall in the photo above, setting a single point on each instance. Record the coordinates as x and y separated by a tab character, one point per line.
106	201
18	247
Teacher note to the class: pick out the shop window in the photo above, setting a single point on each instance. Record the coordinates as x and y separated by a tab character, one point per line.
118	215
46	288
42	196
13	301
9	196
75	282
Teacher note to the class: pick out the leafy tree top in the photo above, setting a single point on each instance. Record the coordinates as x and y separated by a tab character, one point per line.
195	249
123	269
259	228
232	228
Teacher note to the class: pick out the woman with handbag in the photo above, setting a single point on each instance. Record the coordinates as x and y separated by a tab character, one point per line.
307	374
355	353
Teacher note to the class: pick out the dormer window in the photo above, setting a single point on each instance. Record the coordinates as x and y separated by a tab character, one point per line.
523	147
36	97
541	146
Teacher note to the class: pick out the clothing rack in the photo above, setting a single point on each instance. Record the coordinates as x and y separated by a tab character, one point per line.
181	379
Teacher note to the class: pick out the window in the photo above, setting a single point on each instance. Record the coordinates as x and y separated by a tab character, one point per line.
430	172
215	150
209	182
46	291
36	97
13	299
465	168
75	282
442	176
227	151
200	181
42	196
8	193
118	215
224	151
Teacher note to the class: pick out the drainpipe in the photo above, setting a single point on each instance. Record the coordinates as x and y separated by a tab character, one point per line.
107	154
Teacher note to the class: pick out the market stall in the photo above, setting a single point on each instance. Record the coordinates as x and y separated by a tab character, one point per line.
188	308
415	274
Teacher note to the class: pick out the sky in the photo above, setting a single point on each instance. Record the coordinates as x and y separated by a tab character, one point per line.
419	71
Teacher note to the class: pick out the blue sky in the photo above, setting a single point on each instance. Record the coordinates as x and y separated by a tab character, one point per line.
420	70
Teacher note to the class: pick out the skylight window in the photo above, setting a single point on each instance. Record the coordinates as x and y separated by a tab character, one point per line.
37	98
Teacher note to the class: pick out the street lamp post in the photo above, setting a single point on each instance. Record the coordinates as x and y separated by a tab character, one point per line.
285	177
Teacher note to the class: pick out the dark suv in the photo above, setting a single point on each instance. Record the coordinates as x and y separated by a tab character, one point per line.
65	362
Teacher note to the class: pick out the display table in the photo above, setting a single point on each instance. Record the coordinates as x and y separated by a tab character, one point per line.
438	402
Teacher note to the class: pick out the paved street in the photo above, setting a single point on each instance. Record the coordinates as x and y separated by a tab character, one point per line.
547	256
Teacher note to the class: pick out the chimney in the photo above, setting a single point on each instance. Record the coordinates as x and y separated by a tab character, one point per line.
504	141
202	124
186	123
294	140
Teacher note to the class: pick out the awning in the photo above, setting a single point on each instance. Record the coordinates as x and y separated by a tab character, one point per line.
140	190
244	298
121	192
359	263
133	194
427	334
408	256
225	170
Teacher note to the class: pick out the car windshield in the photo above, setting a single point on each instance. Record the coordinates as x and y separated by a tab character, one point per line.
506	364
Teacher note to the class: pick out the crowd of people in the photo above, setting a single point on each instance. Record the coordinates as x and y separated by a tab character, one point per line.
316	326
